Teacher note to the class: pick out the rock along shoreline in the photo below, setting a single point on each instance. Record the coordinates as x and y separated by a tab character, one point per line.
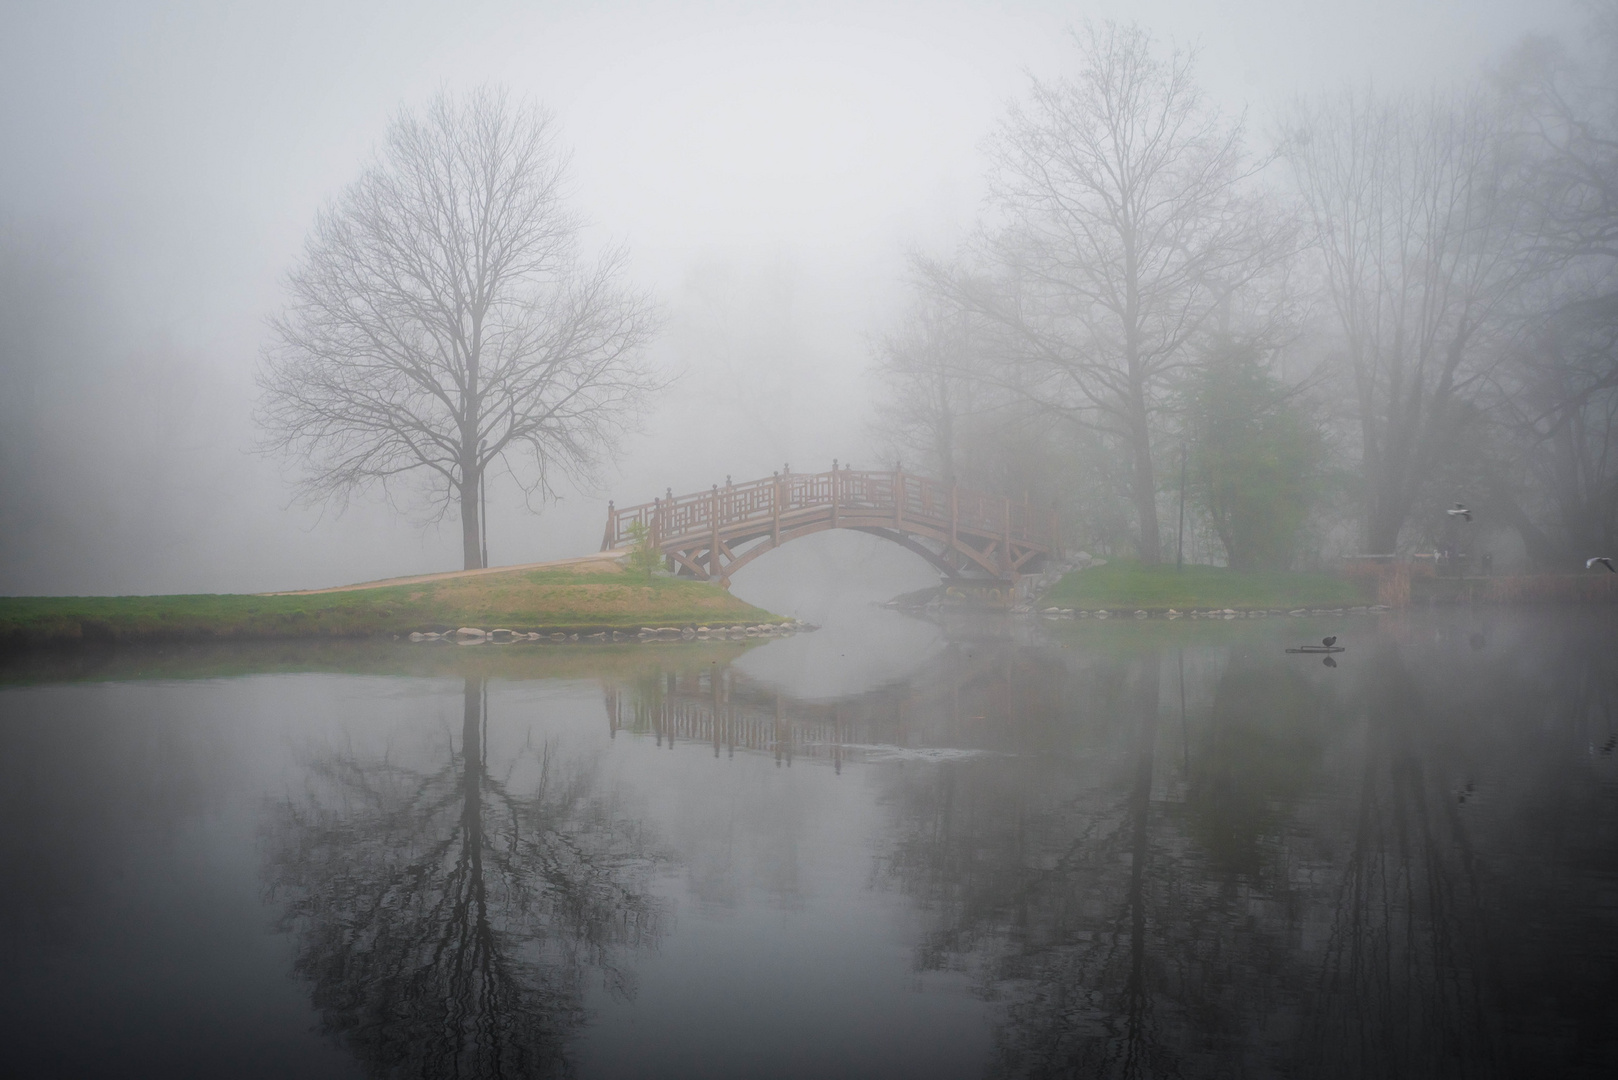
1060	613
473	635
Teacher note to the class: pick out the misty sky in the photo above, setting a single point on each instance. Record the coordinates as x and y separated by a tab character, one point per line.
768	165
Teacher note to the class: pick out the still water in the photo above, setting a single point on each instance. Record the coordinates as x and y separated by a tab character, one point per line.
889	849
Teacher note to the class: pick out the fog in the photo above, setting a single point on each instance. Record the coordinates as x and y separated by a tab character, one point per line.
770	168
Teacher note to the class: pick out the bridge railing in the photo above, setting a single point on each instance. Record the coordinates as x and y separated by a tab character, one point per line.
907	496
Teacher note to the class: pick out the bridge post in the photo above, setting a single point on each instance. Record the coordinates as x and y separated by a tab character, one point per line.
954	510
834	493
713	551
775	512
668	513
898	498
1005	534
610	538
656	531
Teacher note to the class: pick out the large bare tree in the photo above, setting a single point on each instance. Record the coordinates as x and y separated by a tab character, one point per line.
1423	241
444	320
1128	219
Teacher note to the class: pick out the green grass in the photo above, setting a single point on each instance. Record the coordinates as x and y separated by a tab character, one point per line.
1127	585
548	600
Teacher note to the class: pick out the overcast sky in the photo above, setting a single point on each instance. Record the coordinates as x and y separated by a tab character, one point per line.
768	165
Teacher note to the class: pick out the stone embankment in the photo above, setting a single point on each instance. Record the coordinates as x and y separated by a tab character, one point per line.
472	635
1200	613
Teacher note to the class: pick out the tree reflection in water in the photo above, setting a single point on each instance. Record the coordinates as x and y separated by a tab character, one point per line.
448	918
1287	885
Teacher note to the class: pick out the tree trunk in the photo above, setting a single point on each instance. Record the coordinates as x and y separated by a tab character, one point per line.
1145	486
473	766
1137	994
1385	520
1382	537
1542	550
471	548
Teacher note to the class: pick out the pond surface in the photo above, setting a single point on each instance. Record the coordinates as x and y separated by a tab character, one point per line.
888	849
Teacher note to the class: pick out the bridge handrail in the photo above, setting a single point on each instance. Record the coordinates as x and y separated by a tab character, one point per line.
913	497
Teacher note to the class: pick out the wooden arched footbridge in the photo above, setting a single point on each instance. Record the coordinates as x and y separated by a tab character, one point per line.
963	533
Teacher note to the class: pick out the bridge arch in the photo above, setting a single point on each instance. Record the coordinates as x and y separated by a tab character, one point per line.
962	533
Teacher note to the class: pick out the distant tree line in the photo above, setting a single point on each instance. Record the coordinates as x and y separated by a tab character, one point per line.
1395	303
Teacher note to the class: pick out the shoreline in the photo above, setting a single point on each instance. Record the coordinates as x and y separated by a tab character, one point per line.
581	597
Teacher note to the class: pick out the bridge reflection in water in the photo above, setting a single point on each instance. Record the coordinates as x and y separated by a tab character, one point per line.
961	532
967	698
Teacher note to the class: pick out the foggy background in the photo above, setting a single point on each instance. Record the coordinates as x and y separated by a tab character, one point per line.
769	168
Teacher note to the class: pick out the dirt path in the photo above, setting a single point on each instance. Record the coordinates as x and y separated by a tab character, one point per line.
599	563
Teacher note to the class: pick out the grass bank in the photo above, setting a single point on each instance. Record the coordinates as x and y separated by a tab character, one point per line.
1127	585
544	600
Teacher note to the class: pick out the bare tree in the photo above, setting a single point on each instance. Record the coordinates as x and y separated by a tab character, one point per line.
925	367
1423	243
1128	222
940	410
1555	398
443	319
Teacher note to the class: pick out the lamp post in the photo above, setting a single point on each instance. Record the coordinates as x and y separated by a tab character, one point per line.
483	501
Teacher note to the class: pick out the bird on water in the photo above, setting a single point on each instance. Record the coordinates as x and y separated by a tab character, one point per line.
1327	644
1460	512
1603	560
